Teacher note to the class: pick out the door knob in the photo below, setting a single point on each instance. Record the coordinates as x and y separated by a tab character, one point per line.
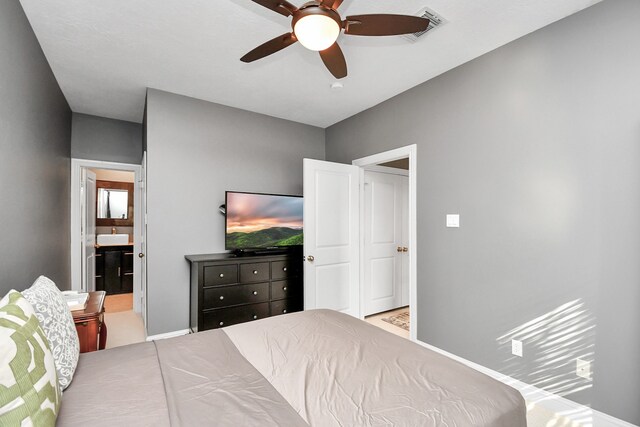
405	249
310	258
399	249
140	255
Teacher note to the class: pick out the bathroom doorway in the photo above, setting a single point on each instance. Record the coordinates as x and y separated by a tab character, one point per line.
107	238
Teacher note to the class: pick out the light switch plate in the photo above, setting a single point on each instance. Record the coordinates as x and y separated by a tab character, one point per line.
453	220
516	348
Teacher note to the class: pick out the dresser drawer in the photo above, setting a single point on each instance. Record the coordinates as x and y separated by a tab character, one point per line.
225	296
284	270
222	317
216	275
254	272
283	289
285	306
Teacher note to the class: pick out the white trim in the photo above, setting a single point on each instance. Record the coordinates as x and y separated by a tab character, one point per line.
583	415
76	244
387	170
164	336
410	151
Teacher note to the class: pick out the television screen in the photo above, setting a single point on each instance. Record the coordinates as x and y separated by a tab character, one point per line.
263	220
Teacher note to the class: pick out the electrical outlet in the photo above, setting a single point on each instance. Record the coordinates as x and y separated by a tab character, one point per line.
583	369
516	348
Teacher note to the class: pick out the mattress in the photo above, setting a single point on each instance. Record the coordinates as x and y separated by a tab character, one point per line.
318	368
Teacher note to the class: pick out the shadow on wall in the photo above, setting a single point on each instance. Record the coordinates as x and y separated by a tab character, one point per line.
552	344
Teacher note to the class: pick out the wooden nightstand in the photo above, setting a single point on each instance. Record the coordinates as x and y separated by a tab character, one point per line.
92	331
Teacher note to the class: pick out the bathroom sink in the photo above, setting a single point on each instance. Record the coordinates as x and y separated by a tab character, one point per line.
112	239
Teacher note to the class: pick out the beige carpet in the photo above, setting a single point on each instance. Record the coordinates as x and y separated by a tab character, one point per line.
123	328
539	416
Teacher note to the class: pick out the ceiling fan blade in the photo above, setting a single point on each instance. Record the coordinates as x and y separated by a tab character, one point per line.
333	4
283	7
333	58
384	25
272	46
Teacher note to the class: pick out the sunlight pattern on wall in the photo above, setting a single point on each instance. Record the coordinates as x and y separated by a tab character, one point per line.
552	343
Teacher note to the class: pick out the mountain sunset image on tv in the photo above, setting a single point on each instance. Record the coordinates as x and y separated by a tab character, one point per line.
263	220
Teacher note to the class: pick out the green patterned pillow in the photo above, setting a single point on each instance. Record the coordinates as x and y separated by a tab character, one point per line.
29	392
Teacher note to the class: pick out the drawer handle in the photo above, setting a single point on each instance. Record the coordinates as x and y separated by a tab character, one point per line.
284	311
221	297
255	317
284	268
255	271
255	292
221	323
284	288
221	274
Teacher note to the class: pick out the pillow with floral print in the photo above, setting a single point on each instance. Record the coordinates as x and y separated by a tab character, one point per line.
56	320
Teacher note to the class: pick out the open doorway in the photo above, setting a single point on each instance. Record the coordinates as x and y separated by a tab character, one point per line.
387	243
107	243
334	230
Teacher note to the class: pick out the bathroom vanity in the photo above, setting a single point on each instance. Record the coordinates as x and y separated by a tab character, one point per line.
114	269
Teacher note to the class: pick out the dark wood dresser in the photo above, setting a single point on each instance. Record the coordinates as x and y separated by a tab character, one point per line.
227	289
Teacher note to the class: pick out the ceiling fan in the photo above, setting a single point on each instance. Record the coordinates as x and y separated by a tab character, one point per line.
317	25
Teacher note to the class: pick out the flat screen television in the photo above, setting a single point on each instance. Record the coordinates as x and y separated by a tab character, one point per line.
260	221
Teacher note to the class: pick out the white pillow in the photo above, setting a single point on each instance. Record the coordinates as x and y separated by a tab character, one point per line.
56	320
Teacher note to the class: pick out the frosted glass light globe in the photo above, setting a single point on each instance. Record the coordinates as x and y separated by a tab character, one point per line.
316	32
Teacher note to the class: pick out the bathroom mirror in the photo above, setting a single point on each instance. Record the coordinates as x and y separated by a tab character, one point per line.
114	204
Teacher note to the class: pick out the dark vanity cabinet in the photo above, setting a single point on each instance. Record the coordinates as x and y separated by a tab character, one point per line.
114	269
226	289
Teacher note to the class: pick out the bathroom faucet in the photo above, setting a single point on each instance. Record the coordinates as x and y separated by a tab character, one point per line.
113	230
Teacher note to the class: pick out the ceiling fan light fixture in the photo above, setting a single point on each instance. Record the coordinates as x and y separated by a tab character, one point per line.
316	32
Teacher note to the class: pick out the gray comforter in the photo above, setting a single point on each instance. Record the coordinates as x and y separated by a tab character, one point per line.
318	368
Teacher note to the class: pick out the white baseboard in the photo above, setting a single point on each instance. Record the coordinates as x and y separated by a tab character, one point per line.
168	335
583	415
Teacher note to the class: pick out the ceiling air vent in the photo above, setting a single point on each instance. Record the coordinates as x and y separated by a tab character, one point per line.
434	22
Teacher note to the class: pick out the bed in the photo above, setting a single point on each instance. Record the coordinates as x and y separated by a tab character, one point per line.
318	368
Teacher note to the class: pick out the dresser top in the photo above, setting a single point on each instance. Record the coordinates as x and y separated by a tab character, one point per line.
234	257
210	257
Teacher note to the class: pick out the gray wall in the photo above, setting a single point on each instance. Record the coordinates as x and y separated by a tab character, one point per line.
537	146
197	150
35	133
99	138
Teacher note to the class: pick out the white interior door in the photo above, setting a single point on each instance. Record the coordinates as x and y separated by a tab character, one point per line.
383	241
331	233
405	242
88	229
143	239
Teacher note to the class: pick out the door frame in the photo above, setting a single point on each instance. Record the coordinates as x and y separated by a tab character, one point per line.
368	162
139	288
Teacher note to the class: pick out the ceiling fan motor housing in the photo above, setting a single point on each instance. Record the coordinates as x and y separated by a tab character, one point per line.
315	8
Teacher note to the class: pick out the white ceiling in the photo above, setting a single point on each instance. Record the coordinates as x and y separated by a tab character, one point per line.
105	53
